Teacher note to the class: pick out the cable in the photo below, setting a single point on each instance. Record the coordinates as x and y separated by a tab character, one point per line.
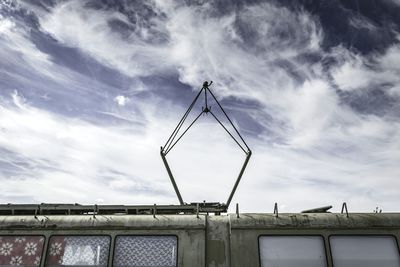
226	115
177	128
184	132
228	132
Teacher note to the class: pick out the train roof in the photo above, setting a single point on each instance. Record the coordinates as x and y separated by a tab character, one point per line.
188	216
184	221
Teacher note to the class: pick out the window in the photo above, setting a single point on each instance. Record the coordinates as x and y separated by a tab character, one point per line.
366	251
292	251
78	250
21	250
149	251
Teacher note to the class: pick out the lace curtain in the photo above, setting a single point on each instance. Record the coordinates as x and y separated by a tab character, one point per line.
145	251
130	251
21	250
78	250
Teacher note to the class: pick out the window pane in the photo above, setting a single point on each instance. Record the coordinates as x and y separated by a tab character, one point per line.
78	250
21	250
145	251
366	251
292	251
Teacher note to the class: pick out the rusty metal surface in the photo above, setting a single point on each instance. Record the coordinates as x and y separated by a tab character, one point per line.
213	241
246	221
78	209
218	241
315	220
103	222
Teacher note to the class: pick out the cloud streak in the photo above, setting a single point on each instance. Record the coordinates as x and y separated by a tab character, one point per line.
322	120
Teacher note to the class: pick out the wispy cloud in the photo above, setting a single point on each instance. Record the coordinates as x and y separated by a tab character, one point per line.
310	112
70	159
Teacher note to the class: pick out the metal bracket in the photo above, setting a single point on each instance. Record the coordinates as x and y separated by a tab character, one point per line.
174	139
344	207
37	211
276	210
95	210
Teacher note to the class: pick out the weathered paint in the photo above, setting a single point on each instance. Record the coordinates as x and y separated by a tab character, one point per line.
188	228
105	221
246	230
218	241
212	241
315	220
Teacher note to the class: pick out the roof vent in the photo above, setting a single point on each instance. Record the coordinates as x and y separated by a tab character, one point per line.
318	210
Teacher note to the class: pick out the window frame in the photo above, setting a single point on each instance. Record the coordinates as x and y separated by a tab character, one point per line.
294	235
118	235
358	235
44	246
109	247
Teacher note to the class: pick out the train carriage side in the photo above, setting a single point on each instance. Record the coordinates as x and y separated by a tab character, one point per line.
319	239
103	240
188	240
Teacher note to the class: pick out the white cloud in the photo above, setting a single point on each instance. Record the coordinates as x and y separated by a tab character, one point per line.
18	100
74	161
121	100
311	110
14	38
197	45
363	23
328	152
23	60
88	29
353	74
358	72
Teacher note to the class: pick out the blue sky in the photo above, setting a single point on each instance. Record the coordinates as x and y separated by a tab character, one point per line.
90	90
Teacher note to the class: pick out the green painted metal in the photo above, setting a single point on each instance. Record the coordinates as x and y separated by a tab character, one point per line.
212	241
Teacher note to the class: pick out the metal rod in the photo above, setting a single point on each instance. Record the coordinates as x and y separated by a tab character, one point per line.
226	115
238	179
177	128
215	117
174	134
205	98
167	151
237	210
171	177
185	115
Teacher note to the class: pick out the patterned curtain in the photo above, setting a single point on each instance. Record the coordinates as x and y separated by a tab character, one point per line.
78	250
21	250
145	251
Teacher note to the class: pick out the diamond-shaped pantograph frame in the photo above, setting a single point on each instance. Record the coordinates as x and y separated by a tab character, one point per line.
174	139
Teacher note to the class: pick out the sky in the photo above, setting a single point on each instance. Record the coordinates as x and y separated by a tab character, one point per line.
90	90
